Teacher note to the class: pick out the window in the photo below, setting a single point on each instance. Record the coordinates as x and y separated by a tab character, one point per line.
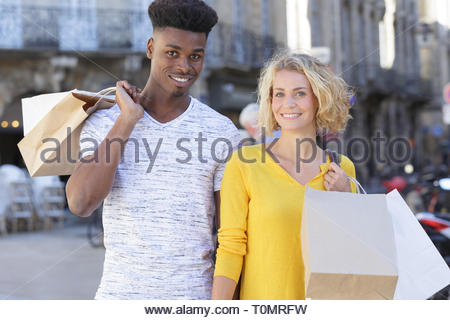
141	25
78	25
11	24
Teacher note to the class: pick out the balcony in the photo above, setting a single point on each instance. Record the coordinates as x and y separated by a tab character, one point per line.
73	28
118	31
229	47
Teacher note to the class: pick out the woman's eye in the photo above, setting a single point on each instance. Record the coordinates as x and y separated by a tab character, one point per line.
300	93
279	94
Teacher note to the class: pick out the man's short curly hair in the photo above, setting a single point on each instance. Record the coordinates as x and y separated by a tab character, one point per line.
190	15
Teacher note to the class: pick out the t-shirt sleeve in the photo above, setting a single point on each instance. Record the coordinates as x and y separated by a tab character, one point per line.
232	234
92	135
233	139
349	168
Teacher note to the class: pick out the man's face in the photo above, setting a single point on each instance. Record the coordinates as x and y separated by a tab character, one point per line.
177	59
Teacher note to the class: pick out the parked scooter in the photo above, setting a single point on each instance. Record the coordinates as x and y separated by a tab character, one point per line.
437	226
437	222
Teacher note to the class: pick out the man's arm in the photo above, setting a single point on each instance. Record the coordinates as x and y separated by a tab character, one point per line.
217	204
223	288
93	176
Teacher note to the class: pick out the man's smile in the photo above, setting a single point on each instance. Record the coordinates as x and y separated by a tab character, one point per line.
180	80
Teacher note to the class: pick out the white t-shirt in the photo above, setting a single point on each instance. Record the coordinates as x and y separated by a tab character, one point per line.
158	217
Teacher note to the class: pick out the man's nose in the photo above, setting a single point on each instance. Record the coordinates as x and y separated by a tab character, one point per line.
183	65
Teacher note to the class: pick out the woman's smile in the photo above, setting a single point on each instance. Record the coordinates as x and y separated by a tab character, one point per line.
290	116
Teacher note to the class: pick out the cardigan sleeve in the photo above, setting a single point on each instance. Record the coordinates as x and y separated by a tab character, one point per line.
349	168
232	234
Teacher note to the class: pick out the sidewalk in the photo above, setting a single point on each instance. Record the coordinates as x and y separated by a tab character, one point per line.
56	264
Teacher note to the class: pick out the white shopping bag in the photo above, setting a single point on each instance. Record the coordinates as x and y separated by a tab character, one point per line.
422	270
348	246
355	245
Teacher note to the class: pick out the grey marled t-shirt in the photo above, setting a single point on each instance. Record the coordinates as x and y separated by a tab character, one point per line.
158	217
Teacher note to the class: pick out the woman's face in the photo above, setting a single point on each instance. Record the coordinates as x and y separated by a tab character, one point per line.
294	105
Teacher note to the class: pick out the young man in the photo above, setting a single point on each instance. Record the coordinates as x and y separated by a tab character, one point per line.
158	167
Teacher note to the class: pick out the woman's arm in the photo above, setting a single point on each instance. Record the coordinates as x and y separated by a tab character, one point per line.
232	234
223	288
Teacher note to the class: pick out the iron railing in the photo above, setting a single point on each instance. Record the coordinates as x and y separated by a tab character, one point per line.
92	29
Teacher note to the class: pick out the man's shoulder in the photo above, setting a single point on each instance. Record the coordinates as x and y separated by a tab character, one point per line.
212	117
103	115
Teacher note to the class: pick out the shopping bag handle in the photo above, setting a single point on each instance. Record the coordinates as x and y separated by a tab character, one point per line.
337	159
103	93
357	184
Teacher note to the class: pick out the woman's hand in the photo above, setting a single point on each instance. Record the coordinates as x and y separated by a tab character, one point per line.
336	179
127	97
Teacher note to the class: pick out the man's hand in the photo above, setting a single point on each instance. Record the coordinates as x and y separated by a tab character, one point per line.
336	179
127	97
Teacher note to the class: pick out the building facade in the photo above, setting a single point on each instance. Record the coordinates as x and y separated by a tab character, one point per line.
397	63
51	46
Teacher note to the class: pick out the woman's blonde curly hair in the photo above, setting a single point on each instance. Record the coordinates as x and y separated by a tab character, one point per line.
331	91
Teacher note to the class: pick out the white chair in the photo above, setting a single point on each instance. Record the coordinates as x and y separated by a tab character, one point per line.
54	203
50	200
21	204
23	207
3	230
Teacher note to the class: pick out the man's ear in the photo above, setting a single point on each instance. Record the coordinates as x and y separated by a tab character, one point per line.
150	48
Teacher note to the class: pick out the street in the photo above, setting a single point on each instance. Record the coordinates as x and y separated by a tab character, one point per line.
56	264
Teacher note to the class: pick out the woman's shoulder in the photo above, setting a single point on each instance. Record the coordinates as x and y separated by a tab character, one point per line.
247	155
247	151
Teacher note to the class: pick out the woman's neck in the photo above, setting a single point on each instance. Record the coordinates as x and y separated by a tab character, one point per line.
294	145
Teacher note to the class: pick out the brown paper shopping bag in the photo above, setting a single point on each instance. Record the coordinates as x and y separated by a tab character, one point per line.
348	246
52	127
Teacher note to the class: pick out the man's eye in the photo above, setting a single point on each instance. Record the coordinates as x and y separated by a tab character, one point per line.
172	53
195	57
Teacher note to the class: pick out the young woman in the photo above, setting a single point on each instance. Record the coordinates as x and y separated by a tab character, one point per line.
263	186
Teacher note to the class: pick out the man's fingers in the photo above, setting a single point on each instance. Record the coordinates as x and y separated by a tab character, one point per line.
126	85
122	92
129	89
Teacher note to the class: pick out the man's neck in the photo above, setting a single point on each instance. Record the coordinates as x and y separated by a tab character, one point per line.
161	106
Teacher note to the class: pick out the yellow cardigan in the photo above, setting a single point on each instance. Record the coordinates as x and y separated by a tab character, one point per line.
261	207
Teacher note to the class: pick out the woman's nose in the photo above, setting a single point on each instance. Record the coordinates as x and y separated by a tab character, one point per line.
290	102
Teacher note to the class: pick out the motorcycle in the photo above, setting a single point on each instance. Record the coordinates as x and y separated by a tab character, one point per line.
437	226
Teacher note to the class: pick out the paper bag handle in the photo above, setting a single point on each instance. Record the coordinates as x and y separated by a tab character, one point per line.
357	184
105	92
336	159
